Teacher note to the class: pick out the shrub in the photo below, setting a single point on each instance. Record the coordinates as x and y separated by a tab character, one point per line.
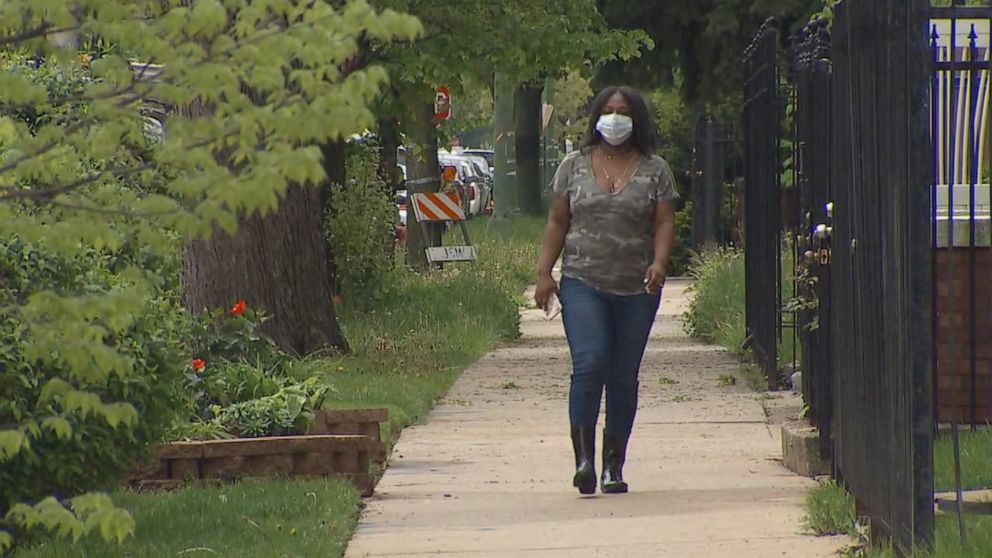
360	230
79	430
716	313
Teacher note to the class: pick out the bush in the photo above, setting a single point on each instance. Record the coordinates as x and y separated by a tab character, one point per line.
72	444
360	230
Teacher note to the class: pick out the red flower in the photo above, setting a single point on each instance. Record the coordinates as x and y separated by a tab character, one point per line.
239	308
198	364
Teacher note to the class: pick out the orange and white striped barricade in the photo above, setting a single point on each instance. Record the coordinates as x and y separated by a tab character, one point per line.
441	207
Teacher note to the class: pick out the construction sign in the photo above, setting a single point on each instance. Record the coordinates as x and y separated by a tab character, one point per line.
434	207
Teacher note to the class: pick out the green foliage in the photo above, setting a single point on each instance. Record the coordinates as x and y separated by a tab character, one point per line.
699	42
241	385
716	313
512	35
573	93
224	334
290	410
75	383
251	88
360	230
830	510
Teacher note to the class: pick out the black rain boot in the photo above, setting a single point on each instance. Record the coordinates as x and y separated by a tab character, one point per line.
614	455
584	445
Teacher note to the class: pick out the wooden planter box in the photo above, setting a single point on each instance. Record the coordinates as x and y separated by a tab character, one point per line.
346	444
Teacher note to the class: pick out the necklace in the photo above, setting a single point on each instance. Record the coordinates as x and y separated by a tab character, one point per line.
613	183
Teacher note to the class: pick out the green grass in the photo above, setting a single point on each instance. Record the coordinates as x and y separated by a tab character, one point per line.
976	460
830	510
947	541
406	353
263	519
976	473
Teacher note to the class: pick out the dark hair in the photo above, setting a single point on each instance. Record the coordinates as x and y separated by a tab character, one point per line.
645	139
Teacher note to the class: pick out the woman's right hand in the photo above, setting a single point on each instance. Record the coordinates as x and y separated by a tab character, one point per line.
546	287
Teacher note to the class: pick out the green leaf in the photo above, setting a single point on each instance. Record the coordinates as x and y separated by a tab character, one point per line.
59	426
6	541
12	442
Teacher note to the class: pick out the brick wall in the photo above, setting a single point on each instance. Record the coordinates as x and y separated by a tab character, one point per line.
953	330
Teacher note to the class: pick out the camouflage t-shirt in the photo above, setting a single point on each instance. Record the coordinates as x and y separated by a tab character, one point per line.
610	243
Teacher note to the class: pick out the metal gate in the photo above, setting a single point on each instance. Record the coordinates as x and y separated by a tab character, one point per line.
762	175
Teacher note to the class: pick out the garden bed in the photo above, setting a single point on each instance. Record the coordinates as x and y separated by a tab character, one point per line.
345	444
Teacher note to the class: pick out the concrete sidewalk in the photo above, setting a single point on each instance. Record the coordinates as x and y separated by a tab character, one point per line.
489	472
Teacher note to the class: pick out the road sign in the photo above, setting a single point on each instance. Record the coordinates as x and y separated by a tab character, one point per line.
442	104
436	207
440	254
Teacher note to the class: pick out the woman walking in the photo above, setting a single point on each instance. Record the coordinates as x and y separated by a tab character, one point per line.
613	222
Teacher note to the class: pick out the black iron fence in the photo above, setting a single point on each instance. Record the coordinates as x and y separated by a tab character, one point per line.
862	148
762	175
811	74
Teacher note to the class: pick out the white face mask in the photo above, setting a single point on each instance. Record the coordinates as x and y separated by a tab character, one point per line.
615	128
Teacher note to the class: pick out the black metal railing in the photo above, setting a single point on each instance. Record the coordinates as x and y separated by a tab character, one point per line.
811	74
762	175
862	142
881	283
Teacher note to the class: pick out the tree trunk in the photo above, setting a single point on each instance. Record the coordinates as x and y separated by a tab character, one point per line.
422	176
277	263
527	111
505	197
389	142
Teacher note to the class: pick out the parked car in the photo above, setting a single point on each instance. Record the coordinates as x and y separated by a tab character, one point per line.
470	183
488	154
477	178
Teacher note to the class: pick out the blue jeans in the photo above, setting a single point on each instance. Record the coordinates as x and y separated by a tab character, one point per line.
607	335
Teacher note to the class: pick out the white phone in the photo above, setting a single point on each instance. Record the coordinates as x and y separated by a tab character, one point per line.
552	308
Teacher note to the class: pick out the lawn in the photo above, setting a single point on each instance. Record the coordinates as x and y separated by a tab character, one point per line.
407	351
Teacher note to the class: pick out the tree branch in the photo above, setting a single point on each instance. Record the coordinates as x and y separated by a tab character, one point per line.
47	194
42	30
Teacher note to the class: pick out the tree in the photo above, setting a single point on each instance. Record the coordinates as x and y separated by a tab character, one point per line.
524	40
573	91
261	87
702	40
